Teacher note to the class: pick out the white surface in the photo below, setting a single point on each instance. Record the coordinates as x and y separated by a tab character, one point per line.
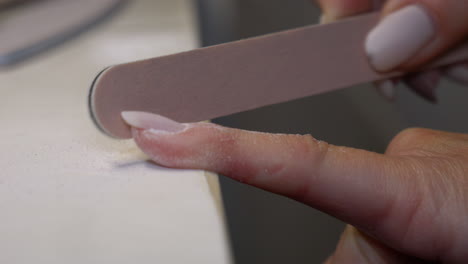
69	194
73	15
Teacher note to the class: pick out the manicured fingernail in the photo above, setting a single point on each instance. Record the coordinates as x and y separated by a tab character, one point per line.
387	88
425	84
152	122
398	37
458	73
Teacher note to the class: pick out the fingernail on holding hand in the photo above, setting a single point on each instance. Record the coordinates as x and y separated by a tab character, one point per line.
387	88
398	37
152	122
458	73
425	84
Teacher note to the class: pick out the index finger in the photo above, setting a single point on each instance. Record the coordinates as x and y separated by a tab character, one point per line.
354	185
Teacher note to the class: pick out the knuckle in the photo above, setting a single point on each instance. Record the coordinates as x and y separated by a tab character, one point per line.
410	139
317	147
416	132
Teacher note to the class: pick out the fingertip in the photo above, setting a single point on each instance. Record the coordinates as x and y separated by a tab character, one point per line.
150	121
334	10
387	88
398	37
412	33
198	146
425	84
143	142
458	73
158	147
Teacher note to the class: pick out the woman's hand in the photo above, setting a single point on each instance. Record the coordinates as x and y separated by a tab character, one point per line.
407	204
410	33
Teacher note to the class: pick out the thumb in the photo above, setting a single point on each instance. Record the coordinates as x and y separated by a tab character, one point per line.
412	32
351	184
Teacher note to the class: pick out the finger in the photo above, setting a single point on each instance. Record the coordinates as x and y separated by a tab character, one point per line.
351	184
356	247
424	84
458	73
335	9
413	32
387	88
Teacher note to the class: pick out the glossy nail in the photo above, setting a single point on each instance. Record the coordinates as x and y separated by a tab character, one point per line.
152	122
398	37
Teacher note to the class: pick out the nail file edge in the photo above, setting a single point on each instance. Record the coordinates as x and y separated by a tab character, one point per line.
91	103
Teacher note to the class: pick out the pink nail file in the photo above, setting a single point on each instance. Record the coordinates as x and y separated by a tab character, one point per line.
220	80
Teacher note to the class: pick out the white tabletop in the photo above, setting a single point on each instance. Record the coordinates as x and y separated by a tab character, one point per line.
69	194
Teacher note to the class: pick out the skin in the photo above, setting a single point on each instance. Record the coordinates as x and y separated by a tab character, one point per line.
408	205
451	24
449	17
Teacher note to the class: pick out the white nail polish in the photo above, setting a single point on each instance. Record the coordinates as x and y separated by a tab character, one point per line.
387	89
458	73
152	122
398	37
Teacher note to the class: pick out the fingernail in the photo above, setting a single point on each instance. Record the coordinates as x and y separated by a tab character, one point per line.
387	88
425	84
152	122
458	73
398	37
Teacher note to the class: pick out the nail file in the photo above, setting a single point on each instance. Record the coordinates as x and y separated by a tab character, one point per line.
220	80
28	28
